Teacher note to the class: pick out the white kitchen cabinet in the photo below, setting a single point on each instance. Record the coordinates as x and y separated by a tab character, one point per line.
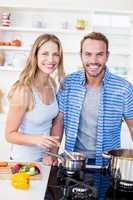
27	23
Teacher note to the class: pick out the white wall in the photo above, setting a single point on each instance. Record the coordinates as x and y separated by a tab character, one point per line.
7	78
4	146
97	4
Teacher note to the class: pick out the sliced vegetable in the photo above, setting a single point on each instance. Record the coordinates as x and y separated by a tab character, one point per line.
31	169
20	181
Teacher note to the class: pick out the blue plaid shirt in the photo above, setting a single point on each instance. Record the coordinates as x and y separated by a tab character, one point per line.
116	103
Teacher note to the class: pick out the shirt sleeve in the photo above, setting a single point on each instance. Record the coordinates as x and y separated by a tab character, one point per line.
128	103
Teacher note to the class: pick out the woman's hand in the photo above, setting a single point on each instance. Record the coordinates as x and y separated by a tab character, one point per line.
48	142
49	160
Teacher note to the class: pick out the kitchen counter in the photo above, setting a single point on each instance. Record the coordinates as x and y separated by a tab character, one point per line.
37	187
35	192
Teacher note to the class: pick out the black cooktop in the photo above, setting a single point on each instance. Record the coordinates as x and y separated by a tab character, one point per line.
87	184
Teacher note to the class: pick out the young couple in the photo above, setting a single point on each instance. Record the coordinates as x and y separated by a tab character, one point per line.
91	103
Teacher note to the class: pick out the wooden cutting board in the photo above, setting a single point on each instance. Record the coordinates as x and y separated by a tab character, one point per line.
6	173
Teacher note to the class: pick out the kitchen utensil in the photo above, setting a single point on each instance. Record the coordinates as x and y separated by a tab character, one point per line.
121	164
76	163
69	154
55	155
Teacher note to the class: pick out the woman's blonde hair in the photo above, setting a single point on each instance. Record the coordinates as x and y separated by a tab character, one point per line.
27	76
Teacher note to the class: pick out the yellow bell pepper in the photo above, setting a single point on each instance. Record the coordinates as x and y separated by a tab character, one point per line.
20	181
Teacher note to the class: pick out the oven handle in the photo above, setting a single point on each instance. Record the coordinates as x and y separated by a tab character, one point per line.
95	167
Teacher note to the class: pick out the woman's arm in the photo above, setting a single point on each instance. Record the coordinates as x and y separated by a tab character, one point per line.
19	104
57	131
58	126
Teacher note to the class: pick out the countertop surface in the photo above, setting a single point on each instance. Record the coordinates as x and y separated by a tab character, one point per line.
37	187
35	192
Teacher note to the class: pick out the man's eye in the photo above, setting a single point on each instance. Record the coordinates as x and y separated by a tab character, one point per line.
100	54
87	54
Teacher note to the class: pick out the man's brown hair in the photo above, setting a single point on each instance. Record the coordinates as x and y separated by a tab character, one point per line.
95	36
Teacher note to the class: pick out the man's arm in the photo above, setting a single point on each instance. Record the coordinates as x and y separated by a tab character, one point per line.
129	123
58	127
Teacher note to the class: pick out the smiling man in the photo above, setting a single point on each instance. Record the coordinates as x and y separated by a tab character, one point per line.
93	103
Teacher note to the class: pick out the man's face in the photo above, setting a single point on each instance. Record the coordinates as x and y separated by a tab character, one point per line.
94	57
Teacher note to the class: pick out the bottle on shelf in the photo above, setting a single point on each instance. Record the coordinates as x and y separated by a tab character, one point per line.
2	58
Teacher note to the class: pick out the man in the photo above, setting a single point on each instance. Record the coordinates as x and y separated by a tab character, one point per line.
93	102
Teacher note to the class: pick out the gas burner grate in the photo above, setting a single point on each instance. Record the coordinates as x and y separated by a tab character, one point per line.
125	186
83	191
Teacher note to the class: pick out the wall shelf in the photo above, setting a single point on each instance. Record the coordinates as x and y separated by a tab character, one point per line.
60	8
22	48
10	68
122	52
44	30
46	8
14	48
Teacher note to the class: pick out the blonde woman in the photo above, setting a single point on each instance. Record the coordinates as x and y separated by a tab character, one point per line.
33	104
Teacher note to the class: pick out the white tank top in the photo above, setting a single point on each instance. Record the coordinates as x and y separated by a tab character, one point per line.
35	122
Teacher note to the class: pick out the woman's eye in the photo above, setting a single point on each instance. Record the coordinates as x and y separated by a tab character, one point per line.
56	54
45	53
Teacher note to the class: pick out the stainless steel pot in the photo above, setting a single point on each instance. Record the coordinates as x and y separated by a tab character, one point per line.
77	163
121	164
73	161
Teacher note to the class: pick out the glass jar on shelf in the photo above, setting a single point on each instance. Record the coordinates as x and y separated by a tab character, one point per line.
6	19
37	21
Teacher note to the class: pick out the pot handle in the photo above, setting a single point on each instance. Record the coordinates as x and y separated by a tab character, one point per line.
106	155
55	155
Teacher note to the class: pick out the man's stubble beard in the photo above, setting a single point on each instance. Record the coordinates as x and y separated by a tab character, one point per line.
99	73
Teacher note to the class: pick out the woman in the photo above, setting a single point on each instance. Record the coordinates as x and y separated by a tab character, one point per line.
33	104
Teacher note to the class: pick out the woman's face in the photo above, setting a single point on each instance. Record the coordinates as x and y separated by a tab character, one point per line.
48	57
